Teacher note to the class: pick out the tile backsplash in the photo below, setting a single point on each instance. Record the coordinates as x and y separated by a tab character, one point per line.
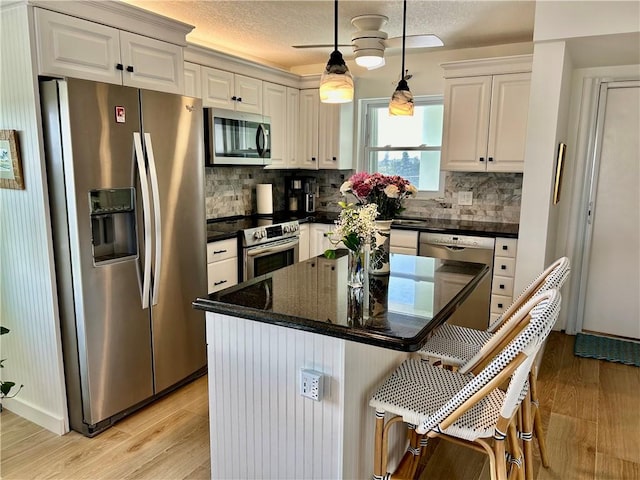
496	196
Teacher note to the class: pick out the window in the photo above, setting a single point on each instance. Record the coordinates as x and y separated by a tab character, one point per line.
406	146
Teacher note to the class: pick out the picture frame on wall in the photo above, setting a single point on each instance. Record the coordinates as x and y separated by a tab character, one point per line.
10	162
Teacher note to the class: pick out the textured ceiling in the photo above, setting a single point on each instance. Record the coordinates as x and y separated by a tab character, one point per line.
265	31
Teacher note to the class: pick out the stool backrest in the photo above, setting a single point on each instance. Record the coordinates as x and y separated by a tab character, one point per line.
553	276
512	363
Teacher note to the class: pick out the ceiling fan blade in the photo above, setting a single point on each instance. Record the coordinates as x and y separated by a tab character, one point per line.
415	41
326	45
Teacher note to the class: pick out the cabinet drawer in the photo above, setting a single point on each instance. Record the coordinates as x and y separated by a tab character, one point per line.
493	317
502	285
506	247
221	250
504	267
499	303
404	250
404	238
222	274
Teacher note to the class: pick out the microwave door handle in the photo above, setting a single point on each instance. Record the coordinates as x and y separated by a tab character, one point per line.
280	248
146	214
155	194
260	140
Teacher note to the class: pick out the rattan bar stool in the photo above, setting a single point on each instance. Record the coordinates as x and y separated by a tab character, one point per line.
453	346
467	408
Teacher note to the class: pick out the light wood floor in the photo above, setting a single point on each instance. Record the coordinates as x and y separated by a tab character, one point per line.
591	411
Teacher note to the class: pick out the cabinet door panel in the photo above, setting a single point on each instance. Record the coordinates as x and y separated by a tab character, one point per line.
466	123
192	80
69	46
275	107
508	122
308	134
156	65
248	92
217	88
328	135
293	123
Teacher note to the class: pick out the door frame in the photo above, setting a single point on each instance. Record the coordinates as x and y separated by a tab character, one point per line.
594	103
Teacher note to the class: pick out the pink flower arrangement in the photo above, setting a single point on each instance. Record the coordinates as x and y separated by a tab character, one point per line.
386	191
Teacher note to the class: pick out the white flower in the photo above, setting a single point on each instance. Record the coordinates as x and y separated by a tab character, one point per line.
346	187
391	191
411	189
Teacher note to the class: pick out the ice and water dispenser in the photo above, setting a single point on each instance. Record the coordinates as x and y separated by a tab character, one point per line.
113	225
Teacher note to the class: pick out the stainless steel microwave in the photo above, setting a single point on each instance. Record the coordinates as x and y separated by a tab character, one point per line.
236	138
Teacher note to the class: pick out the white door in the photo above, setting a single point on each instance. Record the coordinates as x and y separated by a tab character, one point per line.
611	271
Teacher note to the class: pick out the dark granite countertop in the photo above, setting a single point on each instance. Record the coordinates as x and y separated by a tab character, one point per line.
418	296
223	228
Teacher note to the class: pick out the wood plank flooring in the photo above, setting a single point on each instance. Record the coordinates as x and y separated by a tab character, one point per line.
590	409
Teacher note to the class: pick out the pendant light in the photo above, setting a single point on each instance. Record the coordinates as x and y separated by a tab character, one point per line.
336	84
402	100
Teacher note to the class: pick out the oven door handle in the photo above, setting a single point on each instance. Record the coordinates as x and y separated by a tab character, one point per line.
280	248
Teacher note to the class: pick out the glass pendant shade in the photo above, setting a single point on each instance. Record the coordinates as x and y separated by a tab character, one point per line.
402	100
336	83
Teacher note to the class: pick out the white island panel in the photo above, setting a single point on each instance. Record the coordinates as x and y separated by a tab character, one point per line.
260	425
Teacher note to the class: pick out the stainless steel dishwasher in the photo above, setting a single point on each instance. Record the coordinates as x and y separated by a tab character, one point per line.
451	248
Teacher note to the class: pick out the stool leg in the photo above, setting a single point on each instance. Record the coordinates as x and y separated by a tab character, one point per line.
516	453
537	421
527	435
377	448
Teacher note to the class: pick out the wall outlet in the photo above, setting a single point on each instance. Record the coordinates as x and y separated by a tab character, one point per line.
311	384
465	198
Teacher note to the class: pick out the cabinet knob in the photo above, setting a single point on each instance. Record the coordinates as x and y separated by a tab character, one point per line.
502	286
215	284
313	159
335	159
505	247
482	159
490	159
503	267
218	251
500	305
234	98
130	68
239	99
119	66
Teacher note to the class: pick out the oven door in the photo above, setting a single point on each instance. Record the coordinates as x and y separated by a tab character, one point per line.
266	258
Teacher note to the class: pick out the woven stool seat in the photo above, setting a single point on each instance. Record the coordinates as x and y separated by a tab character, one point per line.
462	334
417	390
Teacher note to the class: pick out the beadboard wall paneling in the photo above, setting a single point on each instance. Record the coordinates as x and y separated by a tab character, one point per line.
260	425
27	278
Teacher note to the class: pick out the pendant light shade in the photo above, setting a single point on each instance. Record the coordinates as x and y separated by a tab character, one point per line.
336	83
402	100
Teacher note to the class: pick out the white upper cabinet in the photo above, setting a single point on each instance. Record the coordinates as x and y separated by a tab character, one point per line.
485	116
279	104
69	46
326	133
192	80
228	90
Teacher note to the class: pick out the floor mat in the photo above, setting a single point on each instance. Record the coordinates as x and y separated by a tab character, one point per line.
610	349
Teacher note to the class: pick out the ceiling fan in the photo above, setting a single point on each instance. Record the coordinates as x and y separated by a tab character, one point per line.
369	41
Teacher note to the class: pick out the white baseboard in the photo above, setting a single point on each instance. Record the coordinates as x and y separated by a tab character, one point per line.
57	425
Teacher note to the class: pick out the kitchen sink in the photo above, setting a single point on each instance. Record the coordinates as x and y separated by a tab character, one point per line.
403	221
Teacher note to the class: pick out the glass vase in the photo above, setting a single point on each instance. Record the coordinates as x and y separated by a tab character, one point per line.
380	248
358	286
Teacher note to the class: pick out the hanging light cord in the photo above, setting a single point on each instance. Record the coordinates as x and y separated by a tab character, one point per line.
404	35
335	25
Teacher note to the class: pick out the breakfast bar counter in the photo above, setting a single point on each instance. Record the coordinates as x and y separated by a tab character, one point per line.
263	334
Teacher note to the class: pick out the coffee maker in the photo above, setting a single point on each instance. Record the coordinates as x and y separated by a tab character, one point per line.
301	194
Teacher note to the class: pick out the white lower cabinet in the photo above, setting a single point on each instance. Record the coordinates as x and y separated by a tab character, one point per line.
222	264
303	246
504	263
319	239
404	241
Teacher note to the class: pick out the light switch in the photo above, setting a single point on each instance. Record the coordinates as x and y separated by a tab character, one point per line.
465	198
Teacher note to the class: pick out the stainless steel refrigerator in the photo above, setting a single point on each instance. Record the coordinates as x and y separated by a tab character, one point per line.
126	182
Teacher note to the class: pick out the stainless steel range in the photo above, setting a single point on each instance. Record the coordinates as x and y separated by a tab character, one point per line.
266	248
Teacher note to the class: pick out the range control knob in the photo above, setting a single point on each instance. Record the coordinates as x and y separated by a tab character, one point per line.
258	234
286	229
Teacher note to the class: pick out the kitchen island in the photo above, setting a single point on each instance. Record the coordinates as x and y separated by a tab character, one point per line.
261	334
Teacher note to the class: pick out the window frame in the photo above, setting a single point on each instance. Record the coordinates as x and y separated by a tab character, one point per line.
363	162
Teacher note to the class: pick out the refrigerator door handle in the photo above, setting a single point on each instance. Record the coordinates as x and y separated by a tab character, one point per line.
155	193
146	216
